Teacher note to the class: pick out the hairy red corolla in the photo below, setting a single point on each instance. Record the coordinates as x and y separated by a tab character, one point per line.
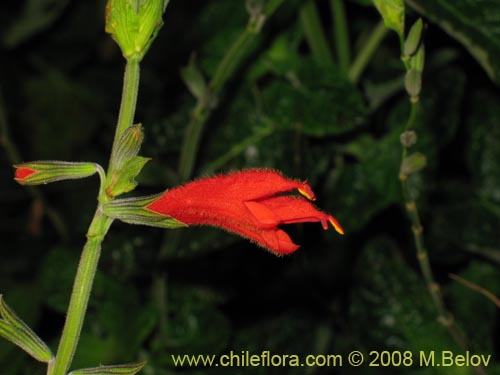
250	203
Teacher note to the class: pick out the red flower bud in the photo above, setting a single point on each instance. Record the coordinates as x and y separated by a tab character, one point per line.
45	171
23	172
249	203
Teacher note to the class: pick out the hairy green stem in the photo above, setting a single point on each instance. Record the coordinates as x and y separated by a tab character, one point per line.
366	52
80	294
98	228
315	35
129	97
341	35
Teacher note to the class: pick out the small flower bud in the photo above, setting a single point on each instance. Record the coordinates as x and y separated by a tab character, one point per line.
43	172
408	138
125	165
134	24
128	146
413	83
414	38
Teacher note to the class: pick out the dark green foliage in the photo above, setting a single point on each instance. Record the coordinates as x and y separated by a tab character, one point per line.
203	291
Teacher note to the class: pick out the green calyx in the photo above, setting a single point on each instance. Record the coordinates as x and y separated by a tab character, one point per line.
134	211
134	24
393	14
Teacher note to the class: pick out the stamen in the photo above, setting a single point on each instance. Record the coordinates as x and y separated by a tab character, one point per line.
336	225
307	193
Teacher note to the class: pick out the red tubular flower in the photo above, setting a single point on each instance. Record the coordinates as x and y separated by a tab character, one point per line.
249	203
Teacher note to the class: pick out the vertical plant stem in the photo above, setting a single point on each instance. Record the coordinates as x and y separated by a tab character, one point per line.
341	34
129	97
80	294
191	141
231	59
315	35
366	52
95	235
444	317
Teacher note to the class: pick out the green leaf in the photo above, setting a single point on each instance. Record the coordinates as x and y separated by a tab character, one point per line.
300	103
393	14
281	58
460	221
483	153
123	180
16	331
370	185
491	254
195	325
128	369
472	23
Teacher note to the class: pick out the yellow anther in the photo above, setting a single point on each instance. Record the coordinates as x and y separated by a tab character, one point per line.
336	225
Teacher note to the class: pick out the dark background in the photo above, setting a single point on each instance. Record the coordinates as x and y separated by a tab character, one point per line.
201	290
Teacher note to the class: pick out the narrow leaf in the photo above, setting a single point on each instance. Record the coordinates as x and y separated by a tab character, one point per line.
128	369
